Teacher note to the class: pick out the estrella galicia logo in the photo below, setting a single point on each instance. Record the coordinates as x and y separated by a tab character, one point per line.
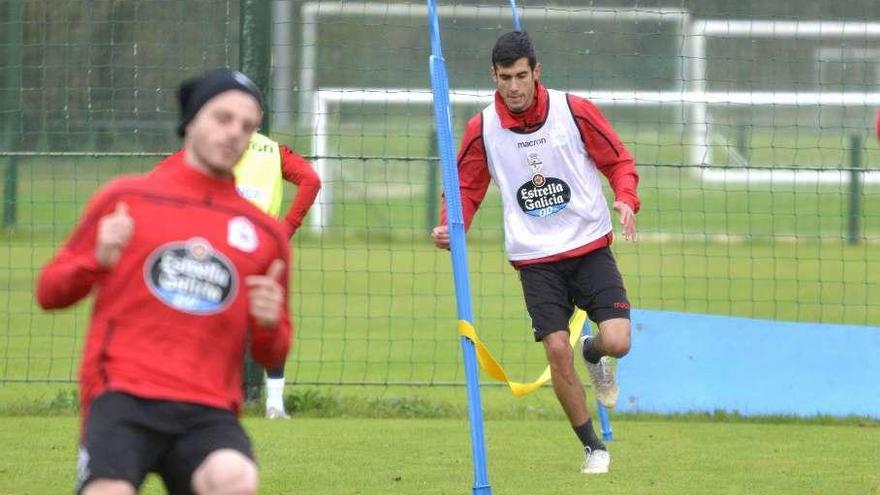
544	197
191	277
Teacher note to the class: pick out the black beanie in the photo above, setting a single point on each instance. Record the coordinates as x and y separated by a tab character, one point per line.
194	93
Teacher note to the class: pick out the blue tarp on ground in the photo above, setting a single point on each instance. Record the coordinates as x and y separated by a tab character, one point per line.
684	362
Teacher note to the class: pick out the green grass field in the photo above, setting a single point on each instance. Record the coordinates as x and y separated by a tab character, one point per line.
528	457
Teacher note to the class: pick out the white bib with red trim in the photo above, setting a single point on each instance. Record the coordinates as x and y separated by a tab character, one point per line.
551	189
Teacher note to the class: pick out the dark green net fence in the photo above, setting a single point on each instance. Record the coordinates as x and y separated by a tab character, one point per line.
752	126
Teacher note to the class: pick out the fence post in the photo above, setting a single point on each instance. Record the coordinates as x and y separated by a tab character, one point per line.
855	188
10	192
255	49
431	215
12	123
254	60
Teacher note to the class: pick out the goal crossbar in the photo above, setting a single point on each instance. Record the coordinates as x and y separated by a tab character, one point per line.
321	210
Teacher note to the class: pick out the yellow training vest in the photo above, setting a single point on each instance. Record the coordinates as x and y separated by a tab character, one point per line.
258	174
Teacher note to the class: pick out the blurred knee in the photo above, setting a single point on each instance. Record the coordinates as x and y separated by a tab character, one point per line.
108	487
226	472
615	337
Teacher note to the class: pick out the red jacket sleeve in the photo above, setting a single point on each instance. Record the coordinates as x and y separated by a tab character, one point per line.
297	170
877	125
607	152
73	271
269	346
473	171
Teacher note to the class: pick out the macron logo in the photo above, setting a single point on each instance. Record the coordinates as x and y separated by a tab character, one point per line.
533	142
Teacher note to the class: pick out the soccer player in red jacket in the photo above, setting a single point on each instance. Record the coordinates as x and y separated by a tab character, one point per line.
296	170
546	151
187	276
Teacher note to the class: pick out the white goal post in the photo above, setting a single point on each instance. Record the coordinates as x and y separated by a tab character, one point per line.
314	11
698	34
326	98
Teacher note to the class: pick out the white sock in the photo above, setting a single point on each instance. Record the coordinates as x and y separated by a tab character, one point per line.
275	393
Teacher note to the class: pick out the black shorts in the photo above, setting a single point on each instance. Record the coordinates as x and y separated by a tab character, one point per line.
591	282
127	437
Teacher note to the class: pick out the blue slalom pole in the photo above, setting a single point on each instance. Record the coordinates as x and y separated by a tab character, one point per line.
607	434
604	419
458	246
517	26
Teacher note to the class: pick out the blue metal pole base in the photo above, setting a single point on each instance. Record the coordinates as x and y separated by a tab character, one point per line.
605	421
482	490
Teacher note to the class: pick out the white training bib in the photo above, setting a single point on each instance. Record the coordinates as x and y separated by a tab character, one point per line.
550	188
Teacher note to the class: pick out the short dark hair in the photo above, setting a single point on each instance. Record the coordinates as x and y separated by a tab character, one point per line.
511	47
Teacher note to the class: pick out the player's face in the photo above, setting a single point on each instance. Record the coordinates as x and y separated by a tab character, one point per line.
516	84
219	134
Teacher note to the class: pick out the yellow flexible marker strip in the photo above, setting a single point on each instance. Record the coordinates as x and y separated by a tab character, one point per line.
490	364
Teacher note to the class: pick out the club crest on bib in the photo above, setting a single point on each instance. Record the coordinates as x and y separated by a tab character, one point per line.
242	235
191	277
542	196
535	163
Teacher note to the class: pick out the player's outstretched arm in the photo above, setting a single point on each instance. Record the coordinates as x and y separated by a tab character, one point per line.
473	177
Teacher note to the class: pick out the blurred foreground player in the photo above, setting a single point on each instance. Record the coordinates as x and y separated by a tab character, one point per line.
187	276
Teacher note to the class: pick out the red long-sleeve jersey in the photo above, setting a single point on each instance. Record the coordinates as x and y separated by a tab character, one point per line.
601	142
295	169
170	320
